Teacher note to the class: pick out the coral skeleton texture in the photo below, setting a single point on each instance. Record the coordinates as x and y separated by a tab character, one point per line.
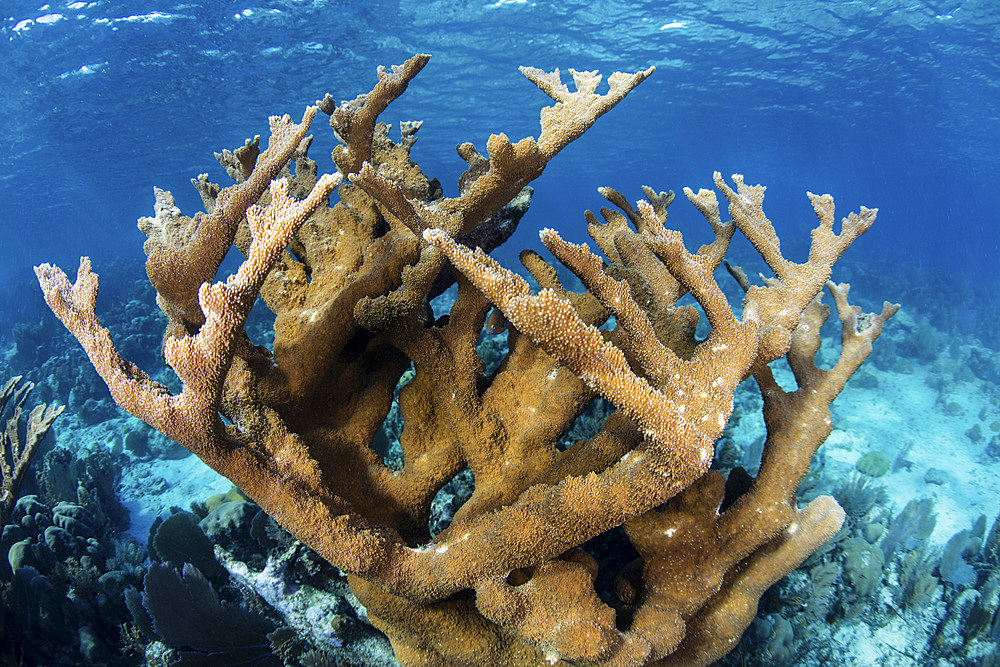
507	582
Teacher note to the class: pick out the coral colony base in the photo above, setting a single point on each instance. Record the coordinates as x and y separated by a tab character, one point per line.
506	582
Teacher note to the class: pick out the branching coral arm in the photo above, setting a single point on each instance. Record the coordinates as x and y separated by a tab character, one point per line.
185	252
15	454
200	360
553	324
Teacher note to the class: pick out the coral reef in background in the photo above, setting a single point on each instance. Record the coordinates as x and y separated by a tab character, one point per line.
63	576
16	450
881	583
297	426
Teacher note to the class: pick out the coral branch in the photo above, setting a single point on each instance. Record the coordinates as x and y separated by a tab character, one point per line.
354	121
200	361
15	454
183	253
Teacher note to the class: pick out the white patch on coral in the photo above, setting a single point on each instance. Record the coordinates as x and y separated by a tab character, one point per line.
296	603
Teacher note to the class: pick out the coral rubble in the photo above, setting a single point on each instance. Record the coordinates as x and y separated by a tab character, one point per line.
297	427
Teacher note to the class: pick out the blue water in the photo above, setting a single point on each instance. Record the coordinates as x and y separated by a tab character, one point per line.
889	103
885	104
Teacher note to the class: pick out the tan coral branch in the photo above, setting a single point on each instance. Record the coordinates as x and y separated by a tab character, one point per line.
184	252
201	360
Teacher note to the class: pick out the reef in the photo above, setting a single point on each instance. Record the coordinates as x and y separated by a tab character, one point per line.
514	578
18	444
